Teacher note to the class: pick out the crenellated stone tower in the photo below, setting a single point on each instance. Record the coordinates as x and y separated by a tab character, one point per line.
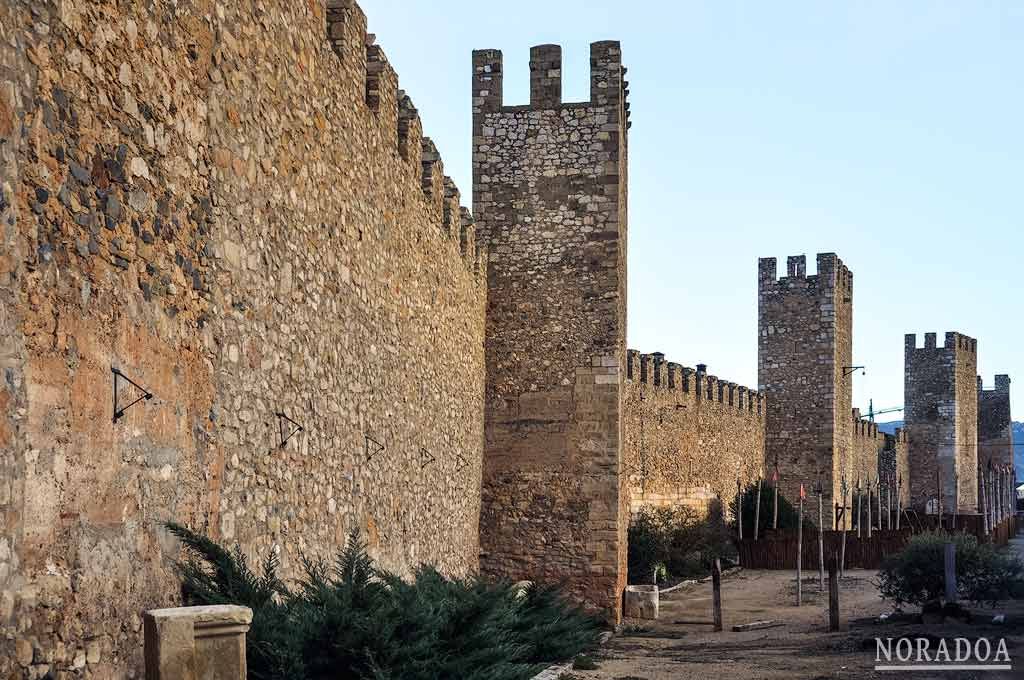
995	426
941	401
805	351
549	197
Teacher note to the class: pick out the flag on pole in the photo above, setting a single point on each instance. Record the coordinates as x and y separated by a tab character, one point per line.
803	494
775	475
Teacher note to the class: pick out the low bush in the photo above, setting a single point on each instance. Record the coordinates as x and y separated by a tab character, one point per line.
916	574
351	620
677	542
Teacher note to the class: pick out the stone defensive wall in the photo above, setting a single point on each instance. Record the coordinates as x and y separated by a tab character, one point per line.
995	427
231	208
688	436
941	420
878	455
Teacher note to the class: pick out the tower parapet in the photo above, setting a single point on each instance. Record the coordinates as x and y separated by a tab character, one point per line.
941	420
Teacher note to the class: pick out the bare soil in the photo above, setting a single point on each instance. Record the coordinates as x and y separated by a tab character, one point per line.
682	645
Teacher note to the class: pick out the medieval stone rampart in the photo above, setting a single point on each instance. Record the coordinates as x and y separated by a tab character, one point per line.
689	436
256	232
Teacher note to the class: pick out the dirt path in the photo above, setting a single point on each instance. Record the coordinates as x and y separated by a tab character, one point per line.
681	645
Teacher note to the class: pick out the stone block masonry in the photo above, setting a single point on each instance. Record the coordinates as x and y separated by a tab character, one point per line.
549	193
941	421
995	426
234	204
689	436
879	456
805	327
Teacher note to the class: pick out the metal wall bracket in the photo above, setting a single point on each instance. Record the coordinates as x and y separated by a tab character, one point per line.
285	423
425	458
119	410
373	447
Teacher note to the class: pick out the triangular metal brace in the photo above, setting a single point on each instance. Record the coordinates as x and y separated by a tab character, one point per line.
281	420
462	462
373	447
146	394
425	458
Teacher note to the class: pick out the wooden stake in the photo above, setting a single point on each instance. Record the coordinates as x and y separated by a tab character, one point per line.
986	525
775	503
716	593
888	505
833	597
859	508
739	507
800	550
842	546
869	507
899	501
821	544
757	509
938	482
950	572
879	494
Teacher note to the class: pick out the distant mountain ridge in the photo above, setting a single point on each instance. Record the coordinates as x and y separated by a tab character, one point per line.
1018	442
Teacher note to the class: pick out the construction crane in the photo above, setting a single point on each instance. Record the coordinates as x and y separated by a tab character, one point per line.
872	412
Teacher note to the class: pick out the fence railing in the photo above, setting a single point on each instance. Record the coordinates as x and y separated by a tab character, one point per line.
778	549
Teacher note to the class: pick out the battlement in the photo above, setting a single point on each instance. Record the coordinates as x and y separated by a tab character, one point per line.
608	87
398	120
863	427
831	274
954	341
652	370
1002	385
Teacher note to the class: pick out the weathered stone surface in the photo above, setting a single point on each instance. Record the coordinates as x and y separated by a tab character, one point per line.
941	421
192	643
549	195
995	425
205	202
641	602
689	436
805	354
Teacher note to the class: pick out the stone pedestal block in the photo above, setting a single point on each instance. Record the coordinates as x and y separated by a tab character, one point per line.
196	643
641	602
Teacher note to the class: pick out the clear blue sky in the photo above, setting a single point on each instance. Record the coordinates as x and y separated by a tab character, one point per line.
888	132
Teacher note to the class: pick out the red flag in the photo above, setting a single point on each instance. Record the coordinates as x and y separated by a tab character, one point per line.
803	494
775	475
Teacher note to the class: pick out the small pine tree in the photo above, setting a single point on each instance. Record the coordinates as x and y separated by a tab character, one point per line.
351	620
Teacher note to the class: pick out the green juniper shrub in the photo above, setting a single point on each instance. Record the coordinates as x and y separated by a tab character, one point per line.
351	620
916	574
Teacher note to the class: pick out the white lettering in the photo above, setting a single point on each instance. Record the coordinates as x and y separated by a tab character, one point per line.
977	649
922	650
883	649
904	651
963	650
942	653
1001	653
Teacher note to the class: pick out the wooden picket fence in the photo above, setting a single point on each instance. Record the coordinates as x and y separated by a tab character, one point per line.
778	549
